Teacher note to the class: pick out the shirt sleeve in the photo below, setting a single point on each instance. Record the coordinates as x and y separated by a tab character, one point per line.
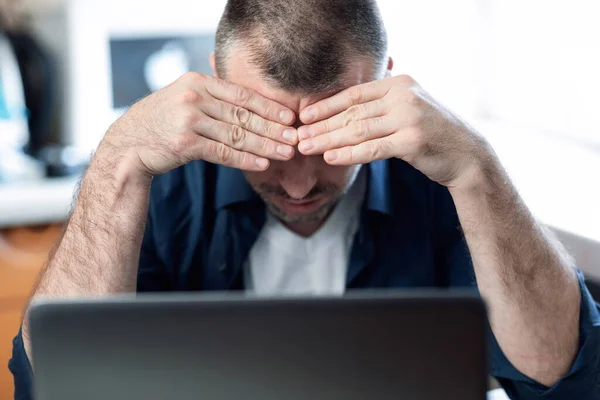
21	369
582	382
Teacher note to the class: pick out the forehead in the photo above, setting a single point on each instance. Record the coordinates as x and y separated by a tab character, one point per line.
242	71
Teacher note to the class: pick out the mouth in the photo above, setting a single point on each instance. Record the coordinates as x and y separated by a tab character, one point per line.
299	207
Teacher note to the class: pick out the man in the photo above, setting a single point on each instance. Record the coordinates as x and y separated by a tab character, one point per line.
351	178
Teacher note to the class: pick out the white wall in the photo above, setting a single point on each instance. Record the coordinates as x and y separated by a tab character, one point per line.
439	43
544	58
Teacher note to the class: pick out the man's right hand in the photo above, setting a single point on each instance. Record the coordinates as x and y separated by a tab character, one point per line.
200	117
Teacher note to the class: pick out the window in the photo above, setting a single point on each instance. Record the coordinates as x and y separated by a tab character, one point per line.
533	64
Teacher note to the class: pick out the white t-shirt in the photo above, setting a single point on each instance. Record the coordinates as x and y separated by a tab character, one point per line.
283	262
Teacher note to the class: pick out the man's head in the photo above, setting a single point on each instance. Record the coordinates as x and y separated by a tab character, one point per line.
297	53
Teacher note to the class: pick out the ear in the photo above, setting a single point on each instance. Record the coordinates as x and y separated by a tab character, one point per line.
390	66
211	60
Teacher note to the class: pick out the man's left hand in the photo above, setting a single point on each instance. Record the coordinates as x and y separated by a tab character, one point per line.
393	117
526	277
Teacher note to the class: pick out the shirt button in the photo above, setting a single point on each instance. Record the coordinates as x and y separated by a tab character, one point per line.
222	266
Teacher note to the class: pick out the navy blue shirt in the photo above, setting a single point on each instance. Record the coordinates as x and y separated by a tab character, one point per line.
203	220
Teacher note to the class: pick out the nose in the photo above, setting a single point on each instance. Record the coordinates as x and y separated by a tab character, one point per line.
298	175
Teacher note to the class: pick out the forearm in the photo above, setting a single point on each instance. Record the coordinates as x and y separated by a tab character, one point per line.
99	250
525	275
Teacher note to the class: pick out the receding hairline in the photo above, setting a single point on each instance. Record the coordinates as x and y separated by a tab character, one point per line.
304	45
352	59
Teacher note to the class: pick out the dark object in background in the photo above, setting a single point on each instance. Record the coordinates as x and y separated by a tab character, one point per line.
140	66
63	160
38	75
15	165
38	84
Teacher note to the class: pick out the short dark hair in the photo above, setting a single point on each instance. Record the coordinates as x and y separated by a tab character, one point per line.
302	45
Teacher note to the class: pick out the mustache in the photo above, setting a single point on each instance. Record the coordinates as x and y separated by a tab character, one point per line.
318	190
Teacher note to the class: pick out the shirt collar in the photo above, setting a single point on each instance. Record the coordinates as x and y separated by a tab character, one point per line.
232	188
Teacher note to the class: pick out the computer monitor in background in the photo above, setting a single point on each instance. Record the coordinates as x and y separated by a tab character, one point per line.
114	52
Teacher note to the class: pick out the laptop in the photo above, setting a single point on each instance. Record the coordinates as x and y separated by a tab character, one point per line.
364	345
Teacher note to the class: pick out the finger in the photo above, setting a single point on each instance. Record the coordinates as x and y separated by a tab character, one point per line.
372	109
373	150
238	138
352	96
235	115
353	134
250	100
196	147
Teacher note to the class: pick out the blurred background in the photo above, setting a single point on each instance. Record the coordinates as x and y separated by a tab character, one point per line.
524	73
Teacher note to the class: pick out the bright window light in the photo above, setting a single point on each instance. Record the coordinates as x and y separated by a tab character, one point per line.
533	64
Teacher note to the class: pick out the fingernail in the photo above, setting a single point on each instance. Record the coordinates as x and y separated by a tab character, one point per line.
262	163
285	151
304	133
331	156
309	114
289	135
306	145
286	116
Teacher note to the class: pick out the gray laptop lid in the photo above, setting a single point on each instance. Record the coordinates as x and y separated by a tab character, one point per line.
361	346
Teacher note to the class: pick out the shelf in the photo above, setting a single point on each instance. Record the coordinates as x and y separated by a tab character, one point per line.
34	203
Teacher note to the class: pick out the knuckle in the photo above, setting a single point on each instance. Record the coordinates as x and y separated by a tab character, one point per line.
188	118
353	155
406	79
242	116
189	96
350	154
238	136
354	113
265	146
374	151
181	143
375	123
268	109
223	153
241	95
355	95
359	129
243	160
231	112
326	126
270	130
